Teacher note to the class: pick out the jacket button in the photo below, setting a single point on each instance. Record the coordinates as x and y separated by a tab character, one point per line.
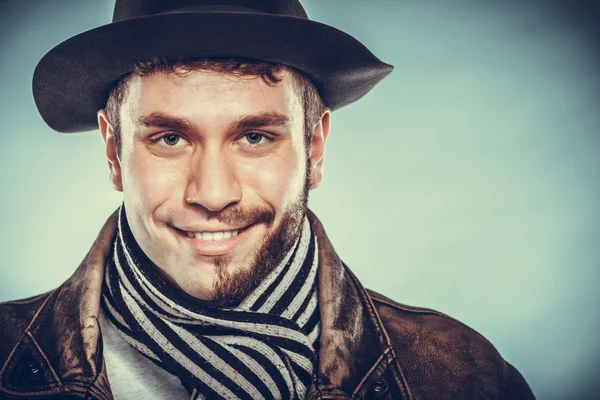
34	368
380	387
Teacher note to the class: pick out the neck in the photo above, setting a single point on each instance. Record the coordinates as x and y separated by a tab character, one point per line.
280	316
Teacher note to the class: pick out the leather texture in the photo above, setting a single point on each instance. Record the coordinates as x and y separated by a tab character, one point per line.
370	346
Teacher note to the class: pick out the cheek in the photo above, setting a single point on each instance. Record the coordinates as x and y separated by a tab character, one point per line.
149	181
277	180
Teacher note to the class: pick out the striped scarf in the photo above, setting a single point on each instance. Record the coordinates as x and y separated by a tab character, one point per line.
263	349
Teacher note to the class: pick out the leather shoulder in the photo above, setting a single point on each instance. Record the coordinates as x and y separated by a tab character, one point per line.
15	317
444	358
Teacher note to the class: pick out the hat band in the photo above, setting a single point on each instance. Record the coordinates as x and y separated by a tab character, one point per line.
230	8
217	8
203	8
130	9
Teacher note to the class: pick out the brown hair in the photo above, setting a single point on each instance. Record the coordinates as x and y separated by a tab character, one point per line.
312	103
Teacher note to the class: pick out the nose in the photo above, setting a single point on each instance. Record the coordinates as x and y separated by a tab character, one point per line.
213	183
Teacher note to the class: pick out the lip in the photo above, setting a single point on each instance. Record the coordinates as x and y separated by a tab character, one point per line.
214	247
212	229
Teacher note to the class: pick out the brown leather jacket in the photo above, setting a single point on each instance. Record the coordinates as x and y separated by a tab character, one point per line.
371	346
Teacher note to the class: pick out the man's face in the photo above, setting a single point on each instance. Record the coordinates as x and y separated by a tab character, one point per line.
213	170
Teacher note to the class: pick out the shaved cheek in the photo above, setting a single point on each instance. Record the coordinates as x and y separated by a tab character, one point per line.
153	180
275	180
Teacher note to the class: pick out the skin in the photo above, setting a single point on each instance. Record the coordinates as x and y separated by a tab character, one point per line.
206	151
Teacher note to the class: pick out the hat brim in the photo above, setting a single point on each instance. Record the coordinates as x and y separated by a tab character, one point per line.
72	81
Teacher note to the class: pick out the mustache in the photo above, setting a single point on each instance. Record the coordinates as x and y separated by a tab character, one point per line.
236	216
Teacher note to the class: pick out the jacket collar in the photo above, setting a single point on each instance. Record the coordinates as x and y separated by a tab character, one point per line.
61	350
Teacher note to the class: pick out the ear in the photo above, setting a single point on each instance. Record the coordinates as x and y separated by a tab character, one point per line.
317	149
114	164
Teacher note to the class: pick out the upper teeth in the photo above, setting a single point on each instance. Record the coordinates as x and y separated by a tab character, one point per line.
213	235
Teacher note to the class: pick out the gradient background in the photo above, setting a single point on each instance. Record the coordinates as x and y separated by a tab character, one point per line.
468	181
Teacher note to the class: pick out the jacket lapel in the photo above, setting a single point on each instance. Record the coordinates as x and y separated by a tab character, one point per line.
352	338
60	352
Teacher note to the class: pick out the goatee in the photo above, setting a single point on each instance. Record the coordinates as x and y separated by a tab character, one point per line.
230	288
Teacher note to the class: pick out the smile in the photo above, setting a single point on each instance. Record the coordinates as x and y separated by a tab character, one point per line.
214	242
213	235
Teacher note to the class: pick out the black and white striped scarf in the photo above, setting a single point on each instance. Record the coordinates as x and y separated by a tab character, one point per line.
263	349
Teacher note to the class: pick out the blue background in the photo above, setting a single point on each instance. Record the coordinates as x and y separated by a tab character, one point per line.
468	181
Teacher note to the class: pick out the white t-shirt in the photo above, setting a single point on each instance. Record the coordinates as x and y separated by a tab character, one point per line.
131	375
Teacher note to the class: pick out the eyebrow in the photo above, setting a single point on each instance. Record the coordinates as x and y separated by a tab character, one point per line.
161	120
265	119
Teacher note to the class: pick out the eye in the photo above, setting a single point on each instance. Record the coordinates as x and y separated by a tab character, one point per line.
254	138
169	143
171	139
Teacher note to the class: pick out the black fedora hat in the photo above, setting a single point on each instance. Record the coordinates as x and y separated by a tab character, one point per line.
72	81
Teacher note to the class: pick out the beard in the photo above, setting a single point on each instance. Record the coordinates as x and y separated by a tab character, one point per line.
231	287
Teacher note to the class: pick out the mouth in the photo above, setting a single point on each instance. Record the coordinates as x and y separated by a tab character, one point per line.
214	243
211	236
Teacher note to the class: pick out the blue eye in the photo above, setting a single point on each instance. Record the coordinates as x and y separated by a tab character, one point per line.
171	140
254	137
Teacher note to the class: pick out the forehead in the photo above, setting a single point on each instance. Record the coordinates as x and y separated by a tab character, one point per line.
209	96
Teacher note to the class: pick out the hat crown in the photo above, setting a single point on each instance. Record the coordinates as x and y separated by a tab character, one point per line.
127	9
73	80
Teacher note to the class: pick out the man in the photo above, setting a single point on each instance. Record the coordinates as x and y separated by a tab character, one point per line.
213	280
